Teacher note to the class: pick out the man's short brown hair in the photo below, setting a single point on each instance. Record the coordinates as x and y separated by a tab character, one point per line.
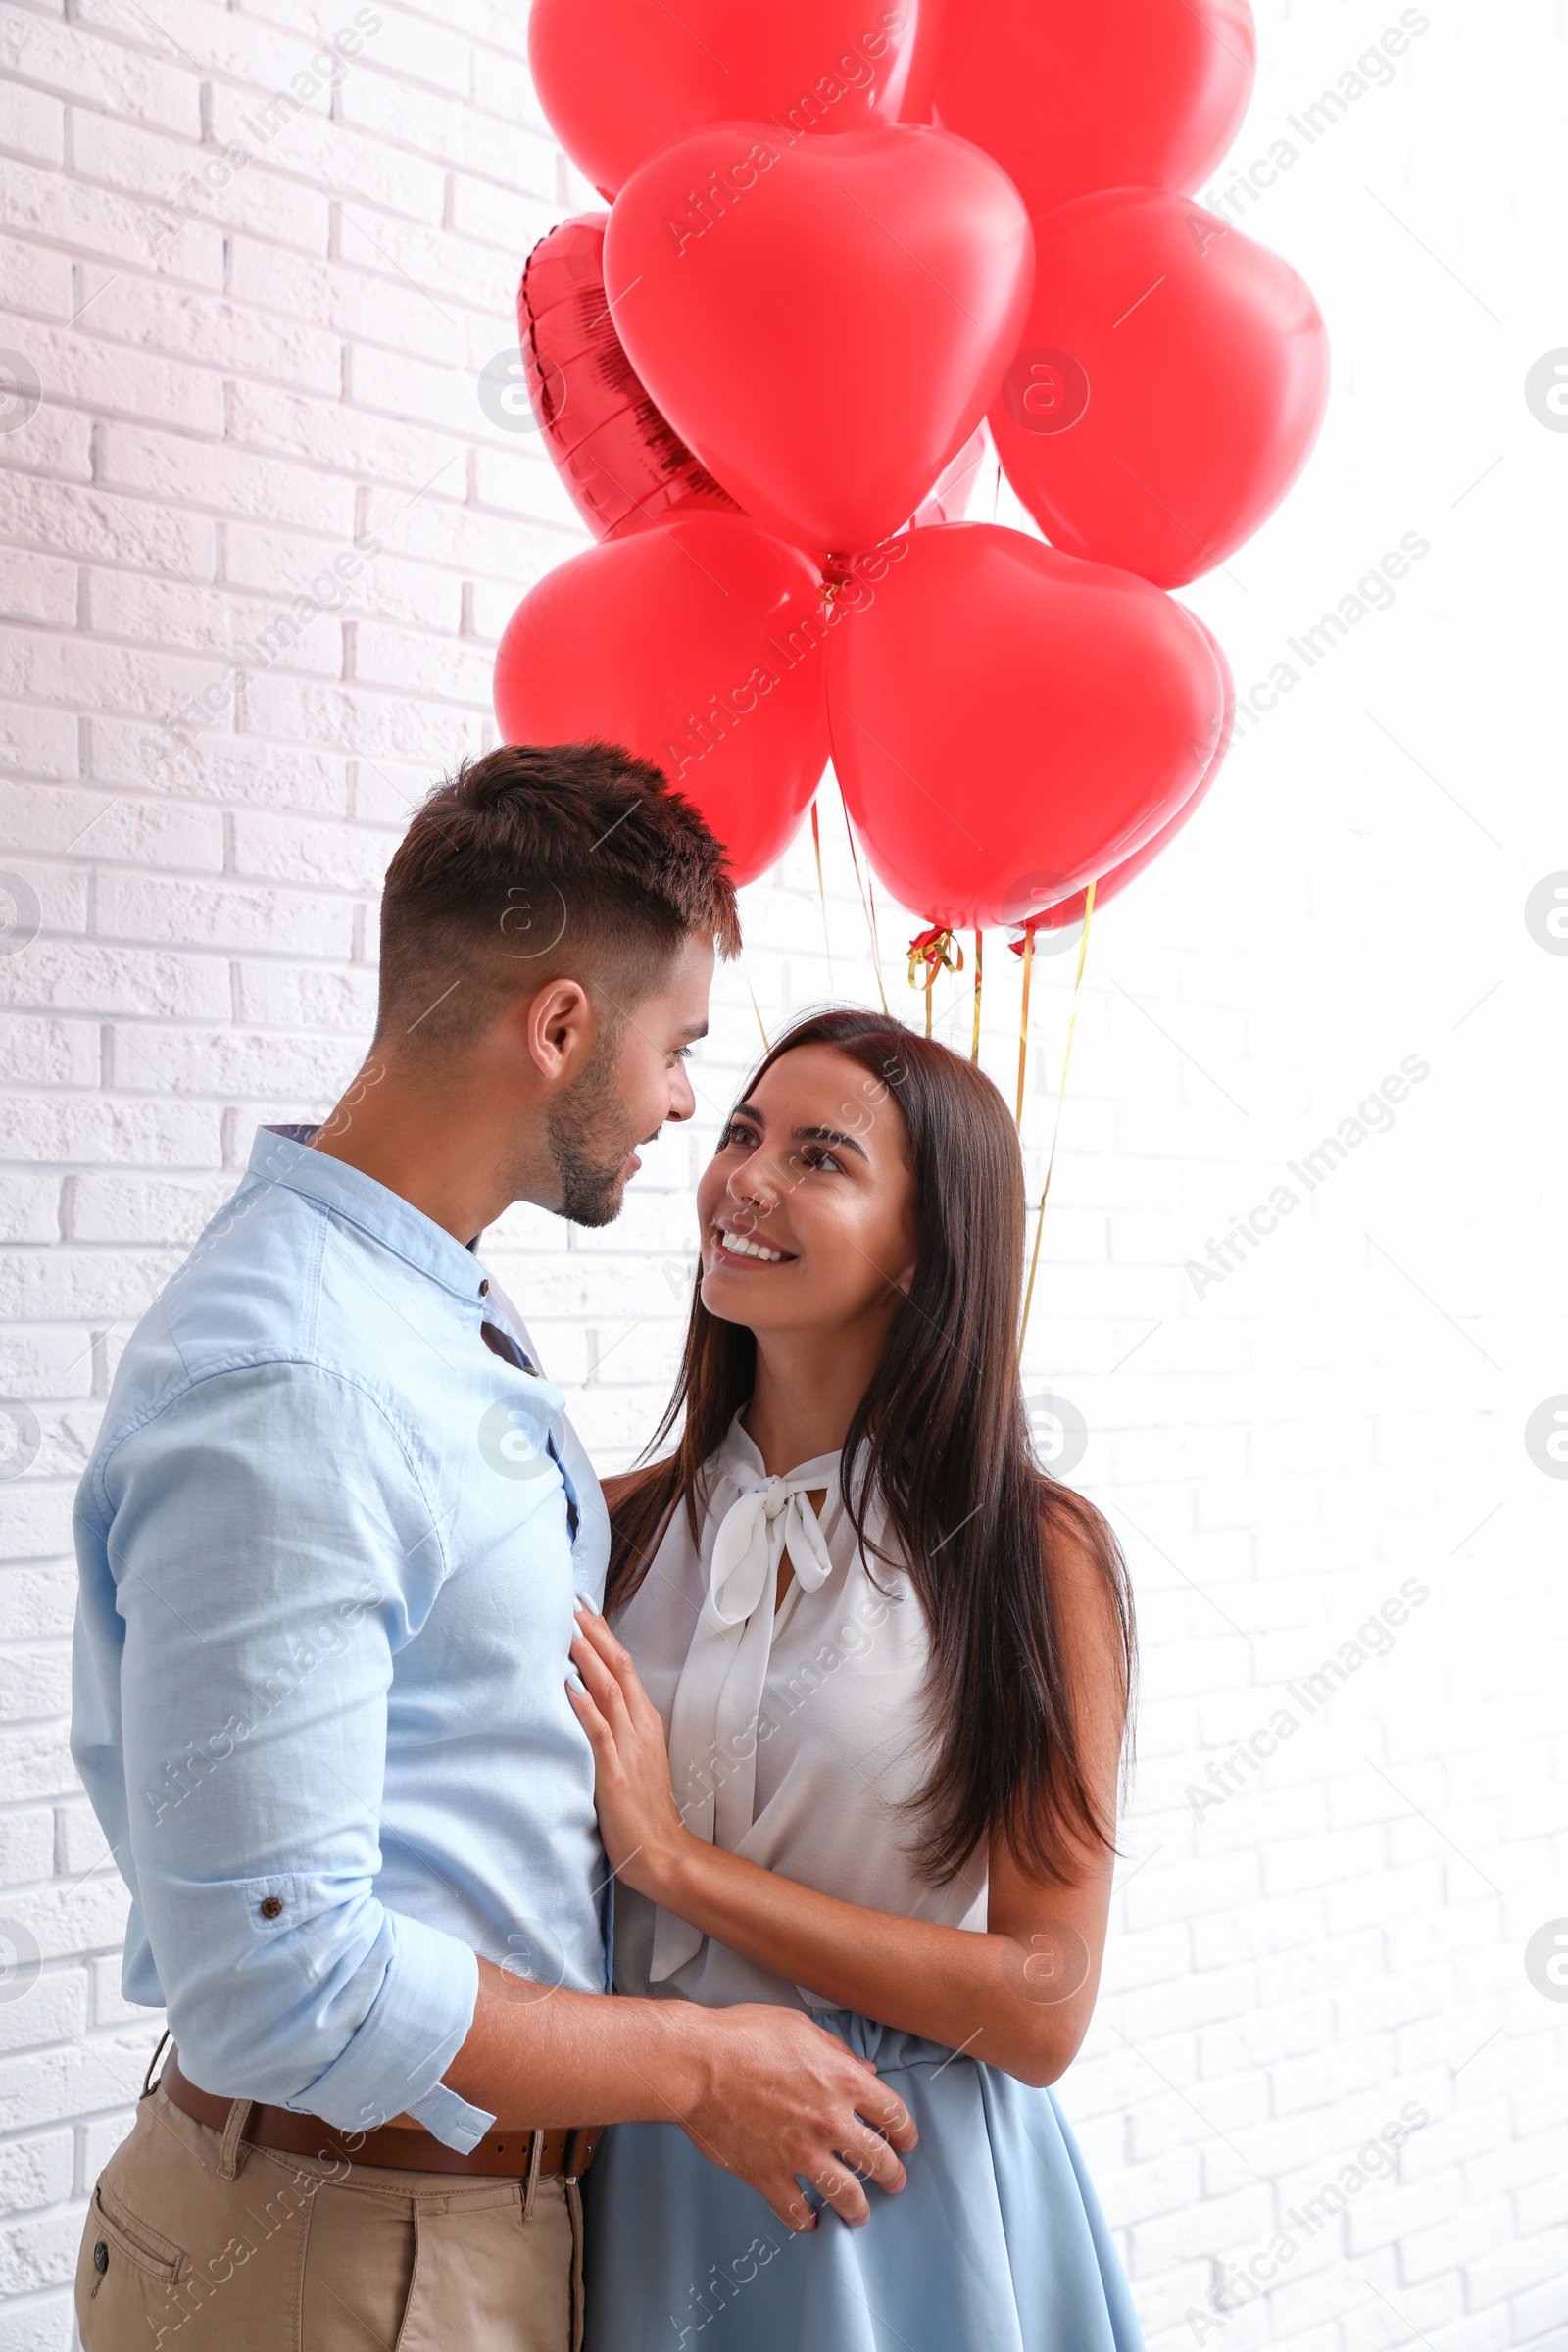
537	858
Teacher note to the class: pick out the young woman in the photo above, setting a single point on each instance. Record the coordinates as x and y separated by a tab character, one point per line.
858	1732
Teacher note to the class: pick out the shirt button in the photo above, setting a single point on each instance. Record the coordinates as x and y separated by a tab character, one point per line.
100	2258
273	1906
484	1288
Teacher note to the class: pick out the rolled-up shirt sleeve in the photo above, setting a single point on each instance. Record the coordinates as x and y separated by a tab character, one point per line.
266	1584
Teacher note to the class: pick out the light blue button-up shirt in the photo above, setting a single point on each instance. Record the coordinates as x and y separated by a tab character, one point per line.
328	1578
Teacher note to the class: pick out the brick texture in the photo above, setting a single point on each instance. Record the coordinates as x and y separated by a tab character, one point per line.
257	280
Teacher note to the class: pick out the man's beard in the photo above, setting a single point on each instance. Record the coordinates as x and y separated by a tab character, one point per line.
586	1132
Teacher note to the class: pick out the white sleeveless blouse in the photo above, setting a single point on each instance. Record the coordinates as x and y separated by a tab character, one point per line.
794	1739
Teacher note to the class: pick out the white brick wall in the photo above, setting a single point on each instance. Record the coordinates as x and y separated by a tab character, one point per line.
289	372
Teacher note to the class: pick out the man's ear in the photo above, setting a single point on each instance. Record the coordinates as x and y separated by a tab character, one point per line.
559	1026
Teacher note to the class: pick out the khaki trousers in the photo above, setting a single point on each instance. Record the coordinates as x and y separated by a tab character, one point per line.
197	2242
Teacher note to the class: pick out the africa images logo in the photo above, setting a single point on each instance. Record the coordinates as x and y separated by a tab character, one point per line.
1546	1959
512	1441
1046	390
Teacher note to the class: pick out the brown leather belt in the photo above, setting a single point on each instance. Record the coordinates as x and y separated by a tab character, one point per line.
507	2153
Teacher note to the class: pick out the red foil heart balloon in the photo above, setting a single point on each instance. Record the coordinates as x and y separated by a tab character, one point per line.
698	646
620	78
823	322
1170	383
1072	96
622	464
1001	712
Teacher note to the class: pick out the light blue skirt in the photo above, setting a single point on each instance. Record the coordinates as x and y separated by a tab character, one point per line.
997	2244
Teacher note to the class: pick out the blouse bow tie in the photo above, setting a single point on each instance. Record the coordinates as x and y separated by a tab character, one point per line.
750	1544
718	1699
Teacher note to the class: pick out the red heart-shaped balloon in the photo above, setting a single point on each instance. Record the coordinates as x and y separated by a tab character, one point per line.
1066	913
620	78
698	646
1170	383
623	465
1001	713
621	461
824	321
1071	96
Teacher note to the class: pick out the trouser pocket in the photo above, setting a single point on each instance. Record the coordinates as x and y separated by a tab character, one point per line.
177	2259
123	2232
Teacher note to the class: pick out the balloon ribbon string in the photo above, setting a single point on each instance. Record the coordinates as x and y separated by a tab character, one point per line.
757	1010
979	976
821	892
1023	1021
870	918
1061	1096
876	943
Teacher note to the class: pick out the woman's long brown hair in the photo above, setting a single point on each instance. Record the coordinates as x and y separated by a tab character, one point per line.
941	1434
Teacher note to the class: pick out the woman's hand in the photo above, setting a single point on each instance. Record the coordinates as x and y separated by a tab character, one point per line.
638	1820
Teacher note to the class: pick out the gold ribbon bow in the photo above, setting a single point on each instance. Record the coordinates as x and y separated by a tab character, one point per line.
938	950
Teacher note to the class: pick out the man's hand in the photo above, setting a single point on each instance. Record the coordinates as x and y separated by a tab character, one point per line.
778	2096
760	2090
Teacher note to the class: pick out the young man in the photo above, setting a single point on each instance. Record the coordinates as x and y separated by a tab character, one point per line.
330	1544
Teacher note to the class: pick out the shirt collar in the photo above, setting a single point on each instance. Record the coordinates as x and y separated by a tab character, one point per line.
738	1453
283	1155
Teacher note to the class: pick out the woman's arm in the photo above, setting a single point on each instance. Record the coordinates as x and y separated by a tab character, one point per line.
1019	1996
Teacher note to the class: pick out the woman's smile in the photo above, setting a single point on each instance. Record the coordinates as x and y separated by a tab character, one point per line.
733	1245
